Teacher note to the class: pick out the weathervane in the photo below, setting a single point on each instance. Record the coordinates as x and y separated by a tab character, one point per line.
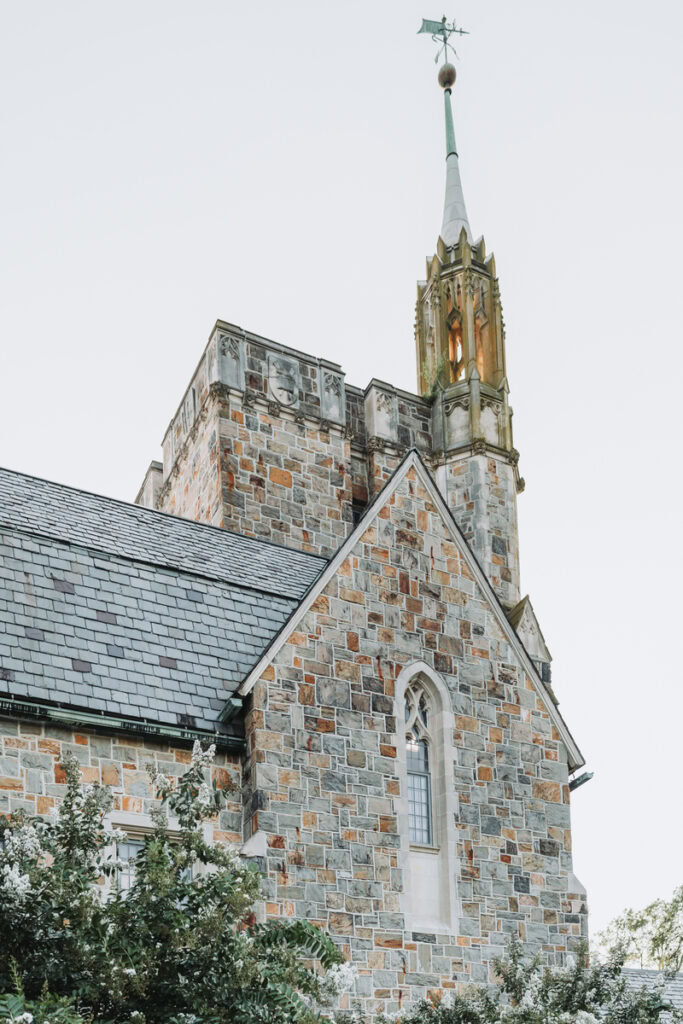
441	31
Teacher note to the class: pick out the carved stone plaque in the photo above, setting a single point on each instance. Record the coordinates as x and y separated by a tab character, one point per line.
284	380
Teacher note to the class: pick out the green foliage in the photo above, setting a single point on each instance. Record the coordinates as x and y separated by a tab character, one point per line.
651	937
178	947
529	993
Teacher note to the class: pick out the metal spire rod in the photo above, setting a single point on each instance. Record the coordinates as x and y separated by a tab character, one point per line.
455	213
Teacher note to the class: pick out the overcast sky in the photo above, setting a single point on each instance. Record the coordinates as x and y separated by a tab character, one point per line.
281	166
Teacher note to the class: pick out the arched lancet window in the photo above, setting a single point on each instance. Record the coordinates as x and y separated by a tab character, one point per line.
418	712
428	804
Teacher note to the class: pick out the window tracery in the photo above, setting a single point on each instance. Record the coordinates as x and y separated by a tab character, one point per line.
418	713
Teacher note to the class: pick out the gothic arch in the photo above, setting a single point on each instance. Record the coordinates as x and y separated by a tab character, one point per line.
428	901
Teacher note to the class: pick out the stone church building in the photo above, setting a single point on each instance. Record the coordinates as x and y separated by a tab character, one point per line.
323	580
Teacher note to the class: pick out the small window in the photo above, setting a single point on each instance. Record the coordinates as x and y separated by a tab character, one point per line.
417	716
127	852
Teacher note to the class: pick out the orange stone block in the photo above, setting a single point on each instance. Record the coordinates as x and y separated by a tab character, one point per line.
132	804
14	784
466	723
111	775
306	694
550	791
280	476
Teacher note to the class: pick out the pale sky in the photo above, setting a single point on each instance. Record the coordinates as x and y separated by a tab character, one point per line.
281	165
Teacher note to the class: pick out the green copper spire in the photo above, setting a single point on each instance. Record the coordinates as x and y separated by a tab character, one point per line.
450	130
454	211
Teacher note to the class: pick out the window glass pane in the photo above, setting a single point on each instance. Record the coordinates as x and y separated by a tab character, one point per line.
418	755
419	810
127	852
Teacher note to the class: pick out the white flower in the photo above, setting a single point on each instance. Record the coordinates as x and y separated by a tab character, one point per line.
24	1018
340	978
202	758
129	970
15	883
22	842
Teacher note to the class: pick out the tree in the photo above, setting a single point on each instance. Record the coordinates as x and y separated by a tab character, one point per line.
530	993
651	937
180	946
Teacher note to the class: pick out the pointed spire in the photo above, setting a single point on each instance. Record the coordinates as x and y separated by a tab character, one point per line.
454	211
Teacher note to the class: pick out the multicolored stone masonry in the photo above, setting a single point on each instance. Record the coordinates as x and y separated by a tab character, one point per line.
32	780
323	781
271	443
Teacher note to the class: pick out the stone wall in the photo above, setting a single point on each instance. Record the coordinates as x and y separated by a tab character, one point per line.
272	443
481	491
32	780
284	480
323	783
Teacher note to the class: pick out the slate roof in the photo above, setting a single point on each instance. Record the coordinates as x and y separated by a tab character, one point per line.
672	985
114	608
66	513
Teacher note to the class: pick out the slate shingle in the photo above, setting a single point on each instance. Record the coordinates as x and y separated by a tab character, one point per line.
154	617
47	509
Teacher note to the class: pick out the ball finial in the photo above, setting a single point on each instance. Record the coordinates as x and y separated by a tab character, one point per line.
446	76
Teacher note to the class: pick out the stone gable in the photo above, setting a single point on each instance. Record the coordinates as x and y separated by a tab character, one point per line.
324	782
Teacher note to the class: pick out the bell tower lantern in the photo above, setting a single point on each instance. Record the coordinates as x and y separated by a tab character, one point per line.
460	348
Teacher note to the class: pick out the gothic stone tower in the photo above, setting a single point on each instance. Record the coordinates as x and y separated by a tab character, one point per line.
406	773
460	342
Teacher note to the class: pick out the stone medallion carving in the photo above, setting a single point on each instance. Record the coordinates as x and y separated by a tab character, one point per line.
283	380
